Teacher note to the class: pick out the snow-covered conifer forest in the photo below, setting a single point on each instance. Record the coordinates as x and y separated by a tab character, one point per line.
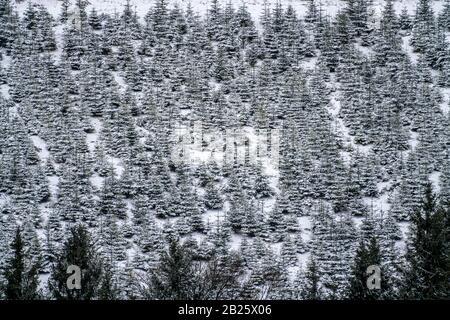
224	149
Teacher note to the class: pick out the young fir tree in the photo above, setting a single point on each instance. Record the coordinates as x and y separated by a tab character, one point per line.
64	15
21	277
427	258
312	288
174	277
367	254
109	289
78	250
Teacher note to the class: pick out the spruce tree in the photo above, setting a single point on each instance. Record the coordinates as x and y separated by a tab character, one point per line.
427	258
367	254
78	250
174	277
312	288
21	276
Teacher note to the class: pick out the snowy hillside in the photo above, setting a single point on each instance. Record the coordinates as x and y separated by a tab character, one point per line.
255	7
285	142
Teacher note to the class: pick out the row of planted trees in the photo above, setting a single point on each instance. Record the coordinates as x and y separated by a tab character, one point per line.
179	276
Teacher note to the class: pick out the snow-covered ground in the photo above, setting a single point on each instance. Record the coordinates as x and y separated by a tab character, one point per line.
41	147
255	7
445	105
270	165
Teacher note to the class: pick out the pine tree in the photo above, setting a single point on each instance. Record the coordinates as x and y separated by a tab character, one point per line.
174	277
423	26
213	200
427	257
78	250
21	276
112	241
262	187
367	254
289	252
64	15
94	20
312	289
405	20
444	17
108	288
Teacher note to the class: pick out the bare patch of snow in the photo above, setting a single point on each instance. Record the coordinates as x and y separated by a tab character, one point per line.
41	147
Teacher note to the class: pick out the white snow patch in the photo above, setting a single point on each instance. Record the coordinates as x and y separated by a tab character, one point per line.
409	49
96	181
445	105
92	138
117	165
53	186
413	140
434	178
41	147
120	80
4	91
